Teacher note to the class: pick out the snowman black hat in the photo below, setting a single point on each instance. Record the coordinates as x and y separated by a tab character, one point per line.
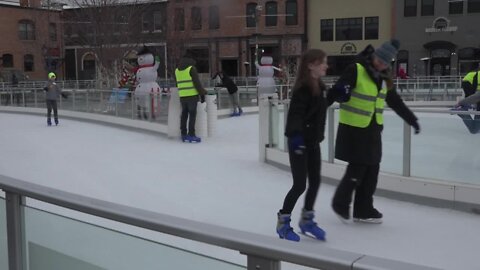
144	50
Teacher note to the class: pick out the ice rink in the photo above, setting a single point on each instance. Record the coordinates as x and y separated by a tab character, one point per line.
220	181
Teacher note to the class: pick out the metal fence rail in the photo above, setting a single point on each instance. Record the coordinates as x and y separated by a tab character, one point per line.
263	252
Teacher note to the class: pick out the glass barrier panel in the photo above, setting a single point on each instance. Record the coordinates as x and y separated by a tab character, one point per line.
3	235
392	143
445	149
57	242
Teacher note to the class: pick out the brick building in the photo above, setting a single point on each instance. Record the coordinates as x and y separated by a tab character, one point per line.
223	35
105	35
31	42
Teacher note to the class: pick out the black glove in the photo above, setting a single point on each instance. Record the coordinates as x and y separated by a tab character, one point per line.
202	98
341	92
416	127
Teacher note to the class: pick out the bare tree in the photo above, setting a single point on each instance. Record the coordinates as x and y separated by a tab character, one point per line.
107	28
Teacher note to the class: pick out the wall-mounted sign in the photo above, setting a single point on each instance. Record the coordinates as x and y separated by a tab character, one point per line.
441	24
348	48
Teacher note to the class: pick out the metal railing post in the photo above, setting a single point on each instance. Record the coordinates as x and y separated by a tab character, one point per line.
87	101
116	101
73	99
407	149
35	97
331	134
259	263
14	230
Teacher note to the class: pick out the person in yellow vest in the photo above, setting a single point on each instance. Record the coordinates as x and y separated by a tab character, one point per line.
471	82
471	87
191	91
362	91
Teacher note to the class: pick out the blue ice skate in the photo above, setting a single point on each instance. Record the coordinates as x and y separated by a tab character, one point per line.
190	139
194	138
284	230
240	111
49	122
56	121
307	225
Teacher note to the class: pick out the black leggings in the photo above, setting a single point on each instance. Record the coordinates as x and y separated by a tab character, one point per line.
306	164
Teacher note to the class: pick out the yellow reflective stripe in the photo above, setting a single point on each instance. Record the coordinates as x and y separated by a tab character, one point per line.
354	110
379	110
382	95
364	97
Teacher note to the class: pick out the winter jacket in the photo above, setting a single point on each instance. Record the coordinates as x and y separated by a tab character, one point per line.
306	115
186	62
364	145
228	83
53	90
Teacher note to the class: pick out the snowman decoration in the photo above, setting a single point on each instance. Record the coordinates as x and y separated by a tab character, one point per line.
265	82
146	82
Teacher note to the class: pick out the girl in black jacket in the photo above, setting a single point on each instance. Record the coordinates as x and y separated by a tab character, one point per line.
305	130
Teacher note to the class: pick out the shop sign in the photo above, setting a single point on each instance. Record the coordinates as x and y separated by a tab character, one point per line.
441	24
348	48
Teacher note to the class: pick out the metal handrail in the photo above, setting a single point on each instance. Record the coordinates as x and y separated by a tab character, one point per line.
258	248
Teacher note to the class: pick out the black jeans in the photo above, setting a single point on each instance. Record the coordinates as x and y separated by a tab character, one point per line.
303	166
363	179
52	104
189	112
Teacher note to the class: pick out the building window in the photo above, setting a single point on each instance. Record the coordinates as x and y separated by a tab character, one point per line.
179	19
326	30
271	14
202	58
410	9
213	17
28	62
428	7
88	62
473	6
196	18
455	7
251	15
157	21
52	31
7	60
371	27
145	22
292	12
348	29
26	30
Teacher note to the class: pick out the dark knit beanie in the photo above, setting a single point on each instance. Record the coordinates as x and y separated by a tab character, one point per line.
387	52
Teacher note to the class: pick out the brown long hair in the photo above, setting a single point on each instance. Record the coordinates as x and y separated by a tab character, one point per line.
303	73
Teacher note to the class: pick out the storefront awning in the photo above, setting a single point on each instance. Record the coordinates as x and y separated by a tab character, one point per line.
440	44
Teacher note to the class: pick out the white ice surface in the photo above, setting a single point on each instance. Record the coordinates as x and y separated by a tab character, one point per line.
219	181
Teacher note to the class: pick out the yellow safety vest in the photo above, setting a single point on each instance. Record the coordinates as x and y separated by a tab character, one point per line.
469	78
185	83
365	100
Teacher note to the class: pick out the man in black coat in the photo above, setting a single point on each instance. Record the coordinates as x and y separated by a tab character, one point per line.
359	136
